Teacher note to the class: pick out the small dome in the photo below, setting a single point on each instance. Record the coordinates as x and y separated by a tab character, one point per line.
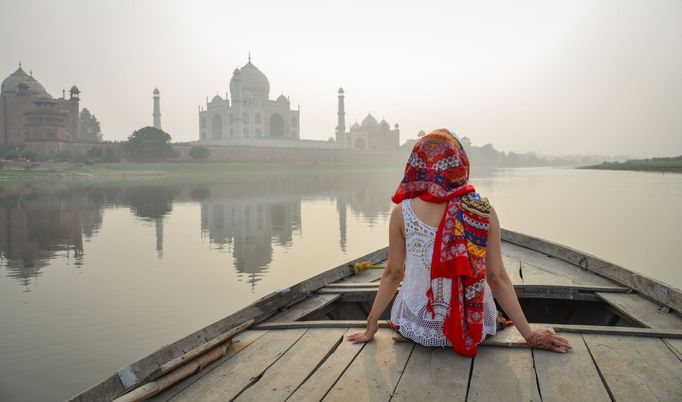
355	126
253	81
74	89
10	83
369	122
217	98
156	91
341	90
421	133
282	98
35	87
384	124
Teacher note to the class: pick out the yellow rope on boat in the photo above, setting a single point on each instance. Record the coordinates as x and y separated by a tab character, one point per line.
362	266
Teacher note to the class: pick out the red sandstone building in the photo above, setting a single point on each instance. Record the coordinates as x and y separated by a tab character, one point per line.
30	116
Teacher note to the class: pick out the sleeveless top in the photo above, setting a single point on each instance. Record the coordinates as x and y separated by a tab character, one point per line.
409	308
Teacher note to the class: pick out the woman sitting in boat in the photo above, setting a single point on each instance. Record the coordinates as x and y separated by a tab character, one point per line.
445	247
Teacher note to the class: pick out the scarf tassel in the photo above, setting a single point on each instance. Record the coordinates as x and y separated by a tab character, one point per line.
429	302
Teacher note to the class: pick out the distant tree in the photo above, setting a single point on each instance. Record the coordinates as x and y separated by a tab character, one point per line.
199	152
331	139
149	144
30	155
90	128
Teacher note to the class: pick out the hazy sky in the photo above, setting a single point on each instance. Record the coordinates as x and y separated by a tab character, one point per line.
584	77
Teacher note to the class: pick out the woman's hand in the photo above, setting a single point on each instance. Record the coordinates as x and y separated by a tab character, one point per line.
366	336
548	339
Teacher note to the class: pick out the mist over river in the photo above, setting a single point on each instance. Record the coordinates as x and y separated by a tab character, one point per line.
96	276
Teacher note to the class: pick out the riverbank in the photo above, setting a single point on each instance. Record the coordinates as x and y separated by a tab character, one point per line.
30	171
663	165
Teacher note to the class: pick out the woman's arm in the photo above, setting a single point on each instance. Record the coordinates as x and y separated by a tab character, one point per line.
390	278
504	292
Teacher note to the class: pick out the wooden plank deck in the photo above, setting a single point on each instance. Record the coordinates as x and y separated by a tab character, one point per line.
319	364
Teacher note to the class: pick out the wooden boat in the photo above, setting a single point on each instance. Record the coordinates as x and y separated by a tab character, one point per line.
626	330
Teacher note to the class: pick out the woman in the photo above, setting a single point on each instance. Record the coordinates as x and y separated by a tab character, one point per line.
445	246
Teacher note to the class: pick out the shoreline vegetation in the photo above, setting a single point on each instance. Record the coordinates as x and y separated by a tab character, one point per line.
17	171
663	165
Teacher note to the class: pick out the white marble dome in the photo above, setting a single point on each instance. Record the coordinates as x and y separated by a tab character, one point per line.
369	122
253	81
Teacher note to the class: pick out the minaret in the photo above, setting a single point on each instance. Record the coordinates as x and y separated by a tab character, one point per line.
157	109
341	125
237	102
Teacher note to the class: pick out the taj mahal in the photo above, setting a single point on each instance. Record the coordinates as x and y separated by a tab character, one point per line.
248	117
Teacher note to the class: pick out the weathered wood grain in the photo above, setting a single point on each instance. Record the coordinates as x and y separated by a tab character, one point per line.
503	374
642	311
534	263
675	345
637	369
652	288
368	275
587	329
321	381
283	377
571	292
569	376
374	373
434	374
230	378
239	342
305	308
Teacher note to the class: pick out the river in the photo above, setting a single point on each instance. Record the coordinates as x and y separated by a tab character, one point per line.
94	276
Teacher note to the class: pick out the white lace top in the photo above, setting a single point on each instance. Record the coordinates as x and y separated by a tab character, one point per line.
409	307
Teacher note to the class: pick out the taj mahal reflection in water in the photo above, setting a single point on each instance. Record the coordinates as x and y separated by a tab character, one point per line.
240	218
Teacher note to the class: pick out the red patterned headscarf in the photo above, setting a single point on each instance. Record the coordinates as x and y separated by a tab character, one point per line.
438	171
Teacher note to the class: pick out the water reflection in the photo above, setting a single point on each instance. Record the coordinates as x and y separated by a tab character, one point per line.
242	218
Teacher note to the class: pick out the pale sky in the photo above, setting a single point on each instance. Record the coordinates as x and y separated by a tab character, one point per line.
570	77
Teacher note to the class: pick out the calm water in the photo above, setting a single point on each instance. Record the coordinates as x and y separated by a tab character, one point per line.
93	277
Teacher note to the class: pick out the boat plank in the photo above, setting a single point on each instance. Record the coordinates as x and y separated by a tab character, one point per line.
288	372
305	308
637	369
533	261
642	310
239	342
368	275
503	374
434	374
512	265
374	373
587	329
675	345
228	379
655	289
569	375
321	381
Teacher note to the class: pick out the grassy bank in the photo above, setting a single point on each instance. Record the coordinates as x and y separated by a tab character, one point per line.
125	171
673	165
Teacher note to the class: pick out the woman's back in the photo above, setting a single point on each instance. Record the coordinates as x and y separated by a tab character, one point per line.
421	221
